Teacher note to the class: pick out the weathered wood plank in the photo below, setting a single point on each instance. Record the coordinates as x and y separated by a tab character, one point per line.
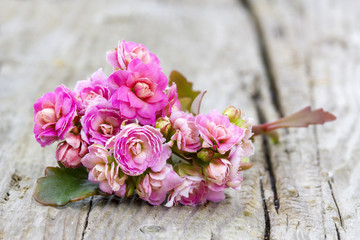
49	43
313	51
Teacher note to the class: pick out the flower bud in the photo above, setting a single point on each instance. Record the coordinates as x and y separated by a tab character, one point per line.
234	115
205	154
130	189
164	125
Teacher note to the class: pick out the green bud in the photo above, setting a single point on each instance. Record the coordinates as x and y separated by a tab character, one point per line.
205	155
130	189
164	125
234	115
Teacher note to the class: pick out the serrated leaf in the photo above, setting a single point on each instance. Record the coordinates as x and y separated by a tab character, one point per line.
185	103
63	185
184	89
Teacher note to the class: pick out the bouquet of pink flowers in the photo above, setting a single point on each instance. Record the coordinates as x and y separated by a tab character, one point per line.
136	132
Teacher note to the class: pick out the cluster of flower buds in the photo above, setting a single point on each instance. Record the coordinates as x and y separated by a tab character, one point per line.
128	130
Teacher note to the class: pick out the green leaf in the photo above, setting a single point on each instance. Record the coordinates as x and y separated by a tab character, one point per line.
185	103
63	185
186	94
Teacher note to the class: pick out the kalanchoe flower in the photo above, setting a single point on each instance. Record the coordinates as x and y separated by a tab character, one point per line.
100	123
140	91
193	191
155	185
190	192
217	173
93	90
53	115
104	170
236	155
137	148
71	151
217	131
186	132
126	52
173	101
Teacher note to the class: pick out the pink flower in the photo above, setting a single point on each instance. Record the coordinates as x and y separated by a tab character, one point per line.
126	52
94	89
53	115
100	123
70	151
218	132
173	102
245	150
186	133
137	148
140	91
217	173
104	170
189	192
155	185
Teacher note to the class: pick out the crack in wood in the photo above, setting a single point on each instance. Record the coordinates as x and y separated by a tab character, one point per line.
336	205
266	213
265	56
267	152
87	219
337	232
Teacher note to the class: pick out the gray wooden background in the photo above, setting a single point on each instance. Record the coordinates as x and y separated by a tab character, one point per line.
268	57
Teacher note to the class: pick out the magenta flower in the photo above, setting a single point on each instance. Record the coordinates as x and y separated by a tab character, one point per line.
186	133
155	185
71	151
137	148
93	90
126	52
104	170
53	115
217	131
100	123
140	91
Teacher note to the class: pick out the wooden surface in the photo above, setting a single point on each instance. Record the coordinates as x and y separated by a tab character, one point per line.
268	57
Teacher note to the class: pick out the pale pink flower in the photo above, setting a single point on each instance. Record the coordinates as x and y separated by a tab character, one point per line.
140	91
71	151
100	123
193	191
217	131
94	89
104	170
217	174
244	150
173	102
126	52
137	148
155	185
186	133
54	114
